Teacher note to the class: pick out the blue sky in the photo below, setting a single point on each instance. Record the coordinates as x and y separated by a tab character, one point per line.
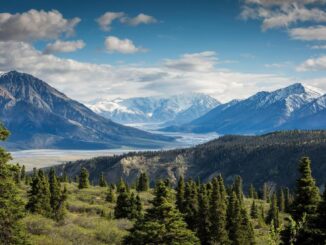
227	48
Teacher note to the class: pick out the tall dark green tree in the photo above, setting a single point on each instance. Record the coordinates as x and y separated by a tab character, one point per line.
203	220
83	178
191	204
273	213
11	206
237	188
217	215
180	196
281	200
162	223
254	212
143	182
23	173
57	197
102	181
123	206
110	195
39	195
307	195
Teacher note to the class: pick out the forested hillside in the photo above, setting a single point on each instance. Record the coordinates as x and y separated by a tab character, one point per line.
270	158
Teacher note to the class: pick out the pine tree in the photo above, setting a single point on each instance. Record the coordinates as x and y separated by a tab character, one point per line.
203	220
281	200
143	182
217	215
110	195
307	194
251	191
23	173
254	213
102	181
234	219
162	223
11	206
266	193
246	230
139	208
123	205
39	195
237	188
273	213
191	204
57	197
180	196
83	179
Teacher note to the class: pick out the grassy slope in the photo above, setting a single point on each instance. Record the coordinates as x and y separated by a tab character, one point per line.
89	220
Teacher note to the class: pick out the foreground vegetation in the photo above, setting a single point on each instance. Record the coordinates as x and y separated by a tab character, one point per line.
44	208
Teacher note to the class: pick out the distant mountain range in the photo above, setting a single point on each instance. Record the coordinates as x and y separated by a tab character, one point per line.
164	111
294	107
39	116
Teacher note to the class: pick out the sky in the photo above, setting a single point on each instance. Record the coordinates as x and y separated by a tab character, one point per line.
229	49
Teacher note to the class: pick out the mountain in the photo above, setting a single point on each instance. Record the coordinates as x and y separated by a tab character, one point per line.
39	116
271	158
262	112
170	110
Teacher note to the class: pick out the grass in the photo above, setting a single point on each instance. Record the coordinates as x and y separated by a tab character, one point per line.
89	220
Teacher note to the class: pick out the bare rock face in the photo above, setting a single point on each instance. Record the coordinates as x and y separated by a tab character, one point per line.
39	116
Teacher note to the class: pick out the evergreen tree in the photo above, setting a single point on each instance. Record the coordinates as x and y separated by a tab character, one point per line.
39	195
217	215
83	178
64	178
23	173
102	181
237	188
307	194
281	200
110	195
57	197
252	191
143	182
203	221
180	196
11	206
123	206
266	193
234	219
191	204
162	223
254	213
273	213
247	235
139	208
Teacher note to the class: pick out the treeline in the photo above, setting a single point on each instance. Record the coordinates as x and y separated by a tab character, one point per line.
270	158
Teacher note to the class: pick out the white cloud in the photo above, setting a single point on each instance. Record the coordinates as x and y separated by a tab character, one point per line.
313	64
279	65
64	46
106	19
87	81
139	19
34	25
125	46
277	13
309	33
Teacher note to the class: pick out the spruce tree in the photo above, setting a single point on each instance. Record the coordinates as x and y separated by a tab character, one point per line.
203	220
237	188
162	223
83	178
143	182
251	191
307	194
234	219
123	206
110	195
180	196
11	206
23	173
102	181
273	213
39	195
57	197
217	215
254	213
191	204
281	200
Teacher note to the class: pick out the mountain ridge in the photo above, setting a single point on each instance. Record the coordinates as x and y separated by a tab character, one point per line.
40	116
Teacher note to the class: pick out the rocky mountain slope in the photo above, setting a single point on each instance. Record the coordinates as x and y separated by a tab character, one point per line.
263	112
271	158
39	116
